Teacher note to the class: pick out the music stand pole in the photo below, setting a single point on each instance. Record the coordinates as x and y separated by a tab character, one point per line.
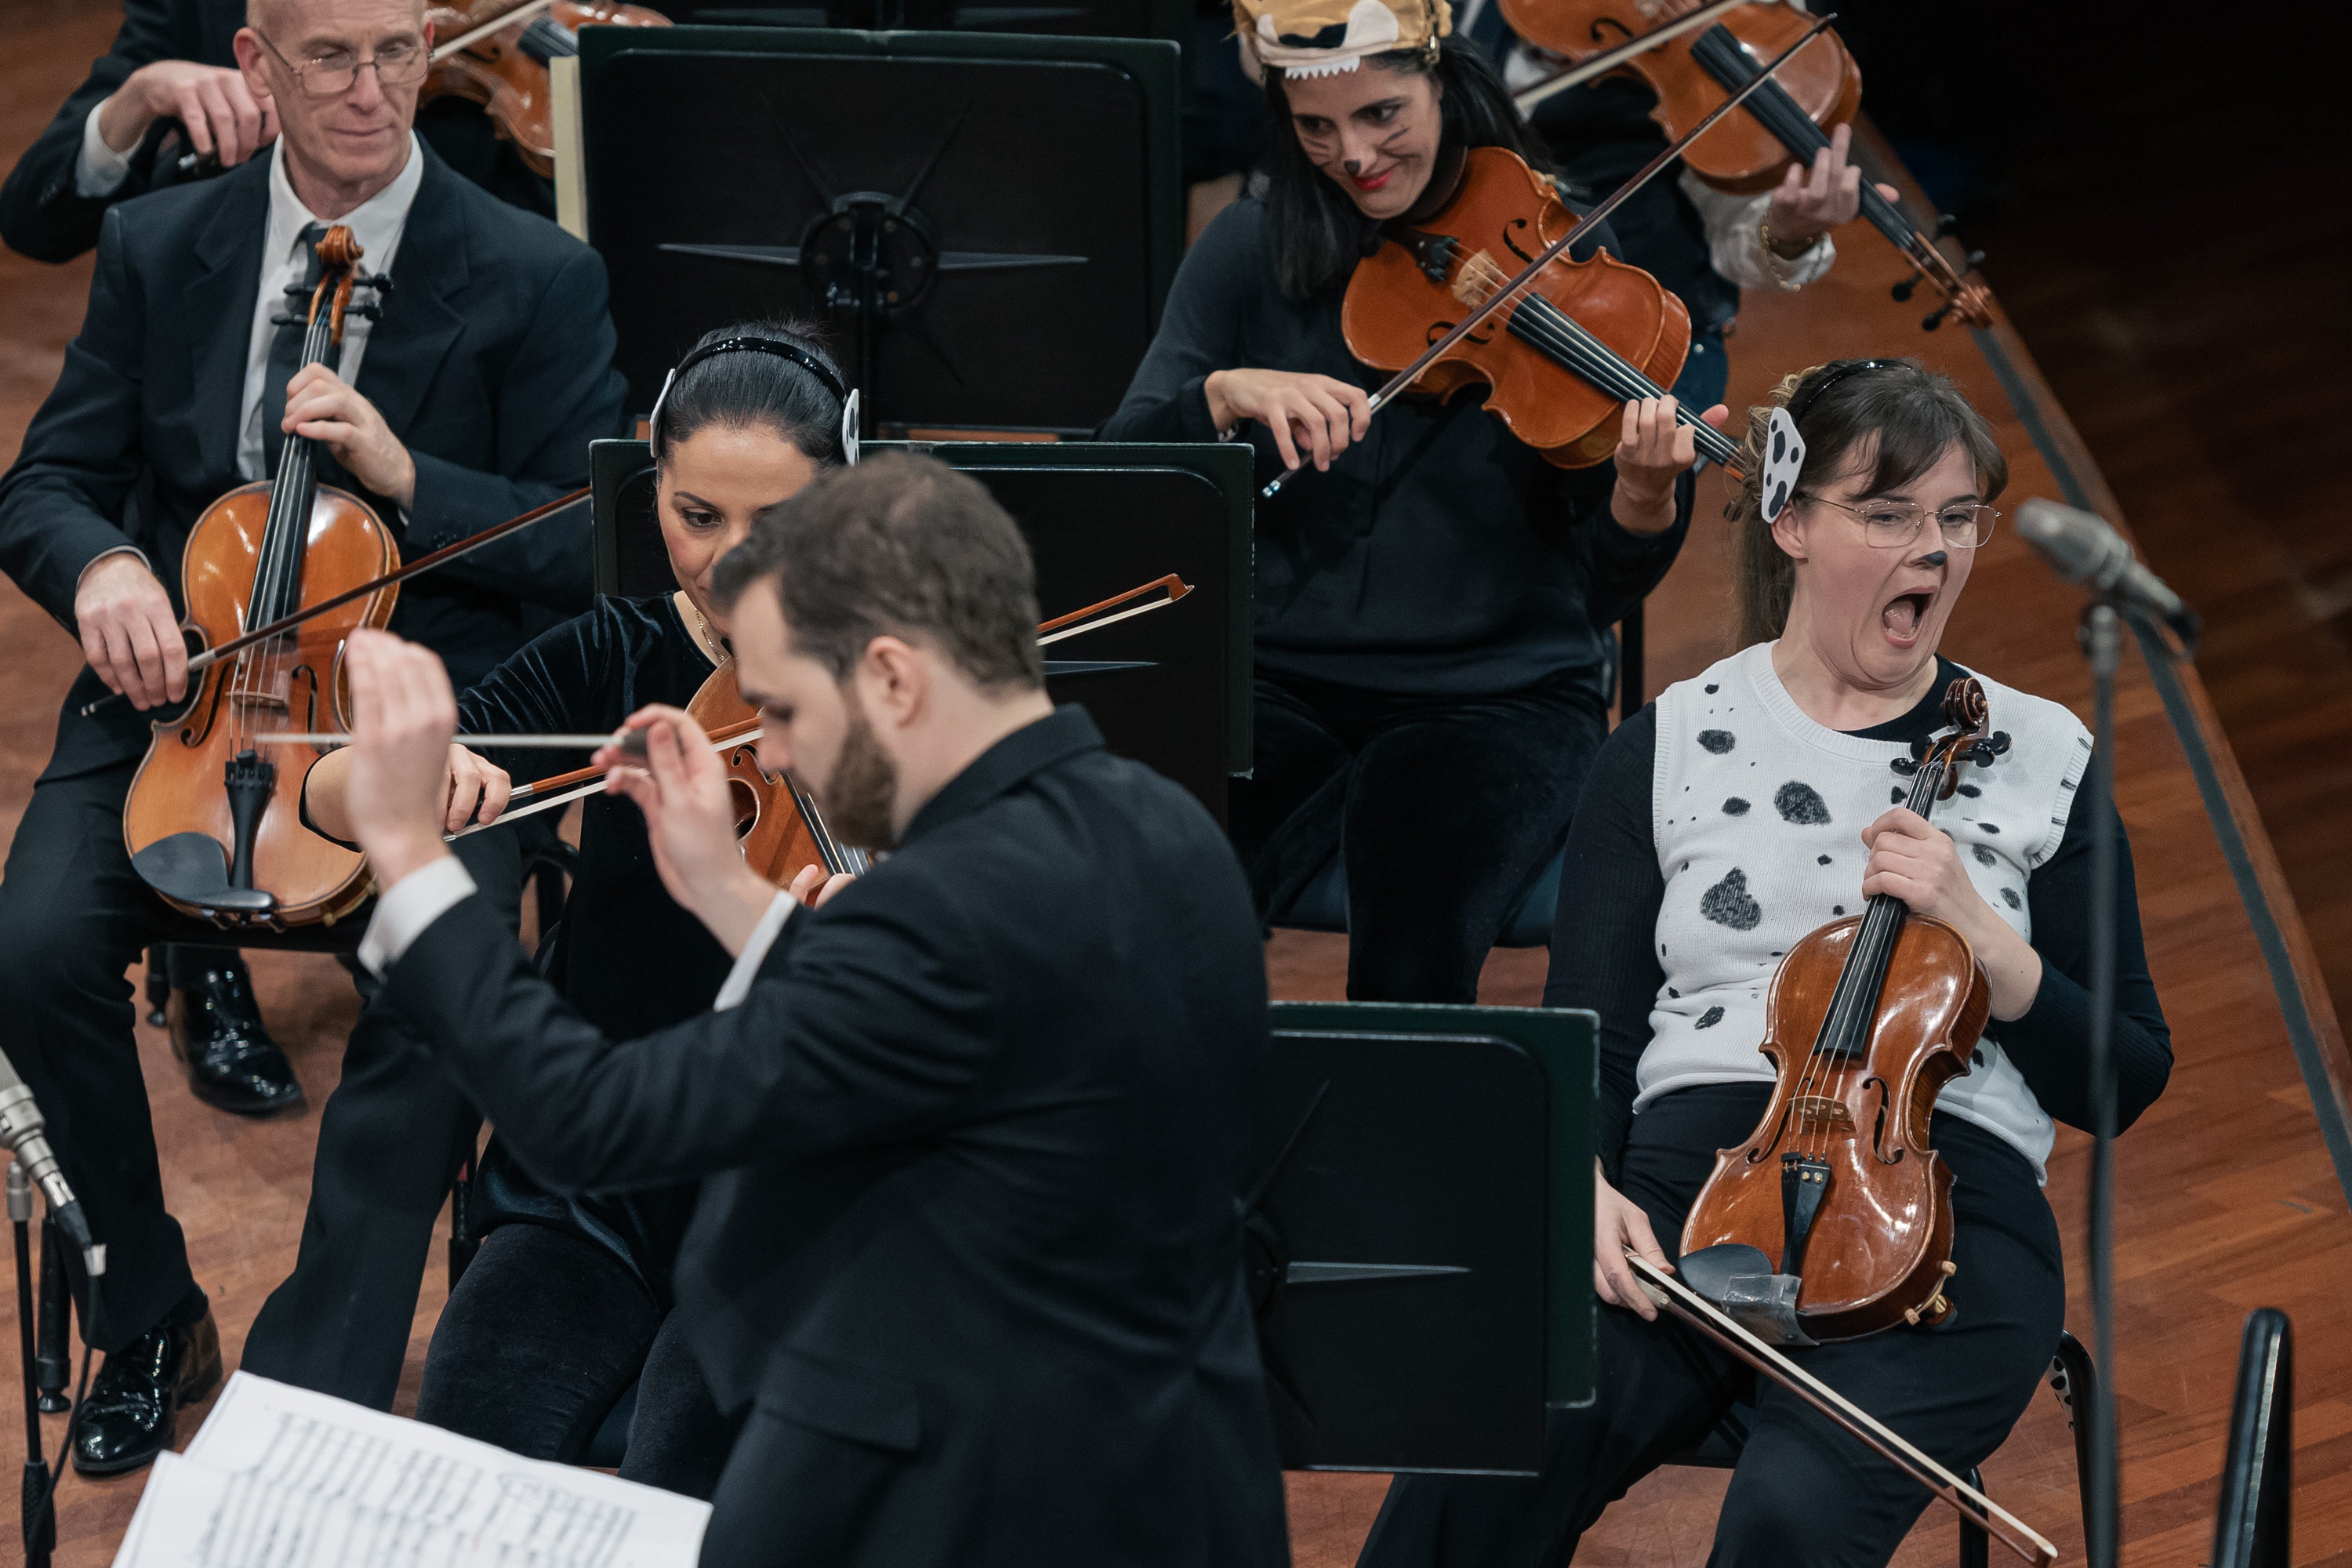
2101	638
38	1539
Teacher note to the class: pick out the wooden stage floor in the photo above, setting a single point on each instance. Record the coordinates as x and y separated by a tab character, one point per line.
2227	1199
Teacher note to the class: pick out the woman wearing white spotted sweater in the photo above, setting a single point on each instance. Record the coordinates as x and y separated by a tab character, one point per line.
1742	810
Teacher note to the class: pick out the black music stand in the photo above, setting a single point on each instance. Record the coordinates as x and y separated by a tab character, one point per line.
1171	689
1420	1231
964	209
1083	18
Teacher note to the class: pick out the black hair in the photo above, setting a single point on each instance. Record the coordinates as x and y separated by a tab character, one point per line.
746	387
1912	414
1318	234
903	545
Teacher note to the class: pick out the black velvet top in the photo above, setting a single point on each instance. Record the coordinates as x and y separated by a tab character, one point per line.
1604	955
1439	556
626	957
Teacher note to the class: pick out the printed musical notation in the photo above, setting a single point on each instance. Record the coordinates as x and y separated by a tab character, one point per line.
282	1478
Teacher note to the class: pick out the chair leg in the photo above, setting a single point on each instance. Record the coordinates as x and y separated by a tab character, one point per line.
159	985
2075	1380
1976	1546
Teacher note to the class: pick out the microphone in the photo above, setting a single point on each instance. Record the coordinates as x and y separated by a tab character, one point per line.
2082	548
22	1132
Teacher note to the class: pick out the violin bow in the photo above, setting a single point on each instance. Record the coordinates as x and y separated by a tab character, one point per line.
480	30
1509	292
199	662
547	794
1080	621
1970	1504
1610	58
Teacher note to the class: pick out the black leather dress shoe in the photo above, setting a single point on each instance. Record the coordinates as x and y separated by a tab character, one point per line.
232	1062
134	1401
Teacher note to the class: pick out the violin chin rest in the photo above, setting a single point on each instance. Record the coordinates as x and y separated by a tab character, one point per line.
192	869
1740	1279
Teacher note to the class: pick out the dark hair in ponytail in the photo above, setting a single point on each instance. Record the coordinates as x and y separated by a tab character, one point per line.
751	388
1318	234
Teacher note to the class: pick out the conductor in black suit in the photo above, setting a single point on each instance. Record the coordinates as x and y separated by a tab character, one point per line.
967	1250
168	87
473	398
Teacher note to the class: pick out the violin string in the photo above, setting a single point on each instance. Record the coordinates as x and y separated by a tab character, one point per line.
1566	341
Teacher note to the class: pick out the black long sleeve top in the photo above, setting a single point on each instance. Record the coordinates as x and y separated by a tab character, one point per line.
1604	955
626	957
1440	555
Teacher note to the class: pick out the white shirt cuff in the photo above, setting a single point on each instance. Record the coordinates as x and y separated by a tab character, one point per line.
755	951
100	170
408	907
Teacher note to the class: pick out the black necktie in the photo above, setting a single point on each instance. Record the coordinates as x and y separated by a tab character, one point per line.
286	352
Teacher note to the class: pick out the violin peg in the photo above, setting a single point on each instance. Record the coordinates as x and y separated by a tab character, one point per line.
1945	223
1903	290
1935	317
1905	766
2000	742
1974	259
1920	748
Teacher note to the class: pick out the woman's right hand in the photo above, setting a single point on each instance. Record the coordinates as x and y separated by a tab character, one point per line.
1313	412
1618	1223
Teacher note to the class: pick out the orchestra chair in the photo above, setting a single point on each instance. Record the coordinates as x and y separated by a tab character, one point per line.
1322	905
2071	1379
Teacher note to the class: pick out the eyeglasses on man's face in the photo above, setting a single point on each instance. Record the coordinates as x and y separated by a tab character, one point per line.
330	73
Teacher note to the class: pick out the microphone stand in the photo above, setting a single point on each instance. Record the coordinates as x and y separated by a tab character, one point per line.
2101	640
39	1522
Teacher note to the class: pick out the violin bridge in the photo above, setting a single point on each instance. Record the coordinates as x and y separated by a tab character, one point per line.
1819	1113
274	701
1478	279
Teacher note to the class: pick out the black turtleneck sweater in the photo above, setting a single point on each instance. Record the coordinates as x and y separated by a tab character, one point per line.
1438	556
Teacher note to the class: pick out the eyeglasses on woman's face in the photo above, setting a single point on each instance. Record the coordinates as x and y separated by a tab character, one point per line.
1897	524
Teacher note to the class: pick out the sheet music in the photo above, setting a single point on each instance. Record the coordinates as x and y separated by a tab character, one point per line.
282	1478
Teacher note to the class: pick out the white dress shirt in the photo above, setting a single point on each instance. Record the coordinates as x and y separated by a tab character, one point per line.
412	904
100	169
375	223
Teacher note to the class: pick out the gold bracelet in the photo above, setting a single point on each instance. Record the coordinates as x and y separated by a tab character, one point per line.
1776	265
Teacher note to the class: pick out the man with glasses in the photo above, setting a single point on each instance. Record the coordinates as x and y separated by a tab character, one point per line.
471	398
168	103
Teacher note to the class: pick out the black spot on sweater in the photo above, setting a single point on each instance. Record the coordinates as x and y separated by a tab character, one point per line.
1800	804
1718	741
1821	860
2009	896
1735	806
1989	828
1984	855
1712	689
1895	796
1708	1019
1970	791
1729	904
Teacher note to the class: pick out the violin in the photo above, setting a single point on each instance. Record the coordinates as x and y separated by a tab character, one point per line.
1427	301
1692	71
496	55
213	821
1562	358
1867	1019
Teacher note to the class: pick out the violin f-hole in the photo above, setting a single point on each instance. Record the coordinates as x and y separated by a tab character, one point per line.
1510	232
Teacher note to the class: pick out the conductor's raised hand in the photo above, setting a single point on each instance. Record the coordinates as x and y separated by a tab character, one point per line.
682	789
403	716
1316	415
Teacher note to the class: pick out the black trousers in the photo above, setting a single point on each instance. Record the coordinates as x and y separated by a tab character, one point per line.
1805	1491
74	917
1444	808
543	1335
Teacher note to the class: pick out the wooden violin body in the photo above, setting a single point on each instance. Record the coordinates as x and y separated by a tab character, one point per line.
781	833
213	822
1741	154
1867	1020
1409	293
292	683
1878	1253
504	70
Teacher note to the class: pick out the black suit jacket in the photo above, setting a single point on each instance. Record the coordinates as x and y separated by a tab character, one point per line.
969	1155
43	216
492	362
